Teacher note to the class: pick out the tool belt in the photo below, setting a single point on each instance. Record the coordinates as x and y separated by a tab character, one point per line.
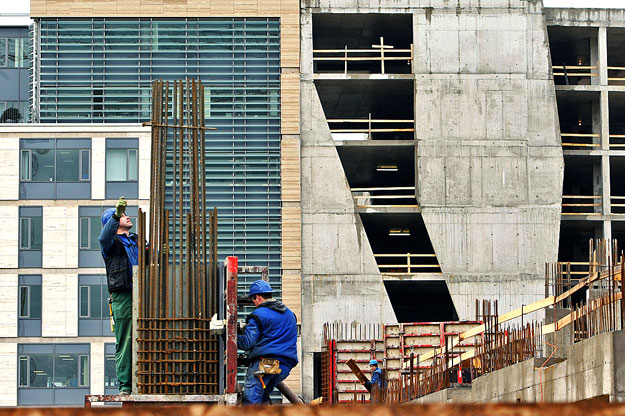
269	366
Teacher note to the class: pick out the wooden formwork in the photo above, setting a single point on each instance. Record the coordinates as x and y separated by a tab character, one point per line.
348	387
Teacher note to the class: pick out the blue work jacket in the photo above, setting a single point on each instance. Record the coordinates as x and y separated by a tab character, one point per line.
271	332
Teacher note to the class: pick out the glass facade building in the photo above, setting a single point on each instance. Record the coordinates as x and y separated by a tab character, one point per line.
100	70
15	60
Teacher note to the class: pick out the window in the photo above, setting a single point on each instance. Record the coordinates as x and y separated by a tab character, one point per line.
53	374
93	306
62	165
122	168
55	169
30	236
30	233
121	165
14	111
111	384
14	52
29	306
89	227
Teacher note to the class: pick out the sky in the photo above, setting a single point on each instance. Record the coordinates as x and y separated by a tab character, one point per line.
22	6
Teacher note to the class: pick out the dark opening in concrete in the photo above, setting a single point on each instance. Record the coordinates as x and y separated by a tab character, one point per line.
400	234
574	238
617	118
573	46
421	301
579	113
359	32
362	165
616	57
385	100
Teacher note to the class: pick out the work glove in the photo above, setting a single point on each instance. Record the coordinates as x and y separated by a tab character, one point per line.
120	208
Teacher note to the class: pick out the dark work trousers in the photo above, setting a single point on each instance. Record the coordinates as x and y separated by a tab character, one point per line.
122	314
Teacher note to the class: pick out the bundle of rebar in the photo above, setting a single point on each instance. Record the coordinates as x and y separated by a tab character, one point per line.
177	279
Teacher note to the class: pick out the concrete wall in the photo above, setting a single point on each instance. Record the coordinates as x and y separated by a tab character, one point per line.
490	161
340	278
593	368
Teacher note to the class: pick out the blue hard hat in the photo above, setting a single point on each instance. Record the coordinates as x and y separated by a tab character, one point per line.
373	362
106	215
258	287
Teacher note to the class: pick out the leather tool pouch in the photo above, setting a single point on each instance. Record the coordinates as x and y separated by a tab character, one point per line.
269	366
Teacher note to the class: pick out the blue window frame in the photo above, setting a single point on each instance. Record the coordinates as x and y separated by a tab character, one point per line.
30	236
52	374
29	306
122	168
55	168
93	307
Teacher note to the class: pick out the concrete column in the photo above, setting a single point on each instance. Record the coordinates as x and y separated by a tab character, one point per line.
605	120
594	60
607	229
605	183
602	44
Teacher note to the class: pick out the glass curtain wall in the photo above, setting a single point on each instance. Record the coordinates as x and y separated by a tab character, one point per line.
100	70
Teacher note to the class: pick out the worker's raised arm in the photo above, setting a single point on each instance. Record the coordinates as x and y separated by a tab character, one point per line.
249	338
107	235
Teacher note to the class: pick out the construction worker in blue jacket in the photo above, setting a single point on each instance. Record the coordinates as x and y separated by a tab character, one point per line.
376	379
270	335
120	252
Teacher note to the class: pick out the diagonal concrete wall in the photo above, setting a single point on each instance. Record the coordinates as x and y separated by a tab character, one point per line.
340	278
490	161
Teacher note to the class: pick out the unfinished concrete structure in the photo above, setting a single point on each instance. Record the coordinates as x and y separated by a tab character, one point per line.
459	183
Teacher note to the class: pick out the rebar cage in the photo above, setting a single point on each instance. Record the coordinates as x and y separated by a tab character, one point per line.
178	282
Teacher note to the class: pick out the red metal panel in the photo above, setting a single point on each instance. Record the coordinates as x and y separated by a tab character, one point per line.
231	317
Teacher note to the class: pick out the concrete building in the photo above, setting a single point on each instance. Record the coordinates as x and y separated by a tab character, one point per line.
423	172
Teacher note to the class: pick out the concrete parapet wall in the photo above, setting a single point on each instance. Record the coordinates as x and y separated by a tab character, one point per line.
593	368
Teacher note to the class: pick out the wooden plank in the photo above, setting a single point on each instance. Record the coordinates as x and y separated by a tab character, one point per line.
358	373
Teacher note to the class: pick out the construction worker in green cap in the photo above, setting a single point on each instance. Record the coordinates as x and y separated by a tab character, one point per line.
120	252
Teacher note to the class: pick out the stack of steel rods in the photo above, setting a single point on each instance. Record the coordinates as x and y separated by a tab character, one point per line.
178	282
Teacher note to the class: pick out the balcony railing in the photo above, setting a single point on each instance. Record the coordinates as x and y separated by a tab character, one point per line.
576	140
574	71
616	74
617	205
395	196
381	52
403	264
580	204
364	128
